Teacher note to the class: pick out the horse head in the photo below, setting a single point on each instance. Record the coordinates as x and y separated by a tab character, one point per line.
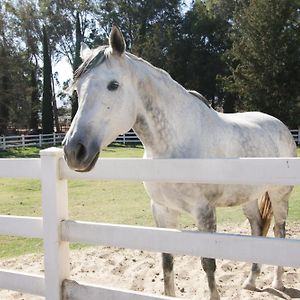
106	102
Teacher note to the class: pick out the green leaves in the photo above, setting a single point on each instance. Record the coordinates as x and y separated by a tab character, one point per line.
241	55
265	58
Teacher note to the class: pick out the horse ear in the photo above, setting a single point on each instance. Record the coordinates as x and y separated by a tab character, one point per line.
116	40
85	51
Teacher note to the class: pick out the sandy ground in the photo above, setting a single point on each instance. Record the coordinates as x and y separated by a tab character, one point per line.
141	271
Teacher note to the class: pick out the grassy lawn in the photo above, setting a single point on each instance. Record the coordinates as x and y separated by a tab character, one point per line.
102	201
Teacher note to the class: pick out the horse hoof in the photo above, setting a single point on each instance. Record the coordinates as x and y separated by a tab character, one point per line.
170	293
248	285
214	296
278	286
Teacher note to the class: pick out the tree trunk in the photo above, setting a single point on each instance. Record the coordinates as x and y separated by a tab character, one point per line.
54	103
34	117
77	62
47	108
4	113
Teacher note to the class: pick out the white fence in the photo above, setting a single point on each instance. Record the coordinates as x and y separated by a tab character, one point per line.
30	140
52	139
56	139
296	134
57	230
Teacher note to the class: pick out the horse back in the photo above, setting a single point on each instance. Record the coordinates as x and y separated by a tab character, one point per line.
255	134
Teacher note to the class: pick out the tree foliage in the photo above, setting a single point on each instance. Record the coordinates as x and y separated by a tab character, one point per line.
199	51
265	58
240	54
16	65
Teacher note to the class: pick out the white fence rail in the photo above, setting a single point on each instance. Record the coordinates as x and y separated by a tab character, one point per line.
17	141
296	135
57	230
54	138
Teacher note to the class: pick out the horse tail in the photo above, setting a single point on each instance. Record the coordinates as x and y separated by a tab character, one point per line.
266	212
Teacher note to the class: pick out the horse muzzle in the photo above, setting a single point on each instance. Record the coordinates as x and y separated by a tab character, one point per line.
80	157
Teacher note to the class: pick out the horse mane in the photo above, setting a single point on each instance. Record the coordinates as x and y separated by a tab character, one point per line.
163	72
200	97
98	56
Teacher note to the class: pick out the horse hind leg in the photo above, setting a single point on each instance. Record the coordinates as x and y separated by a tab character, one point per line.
279	201
206	221
166	218
259	214
252	212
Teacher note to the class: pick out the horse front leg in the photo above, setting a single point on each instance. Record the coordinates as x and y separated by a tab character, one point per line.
206	221
166	218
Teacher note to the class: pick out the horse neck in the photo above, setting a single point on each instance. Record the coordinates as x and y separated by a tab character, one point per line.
167	114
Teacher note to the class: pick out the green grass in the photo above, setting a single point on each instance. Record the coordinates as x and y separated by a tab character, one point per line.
28	152
117	150
88	200
102	201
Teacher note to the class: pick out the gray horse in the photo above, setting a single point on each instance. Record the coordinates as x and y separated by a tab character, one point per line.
118	91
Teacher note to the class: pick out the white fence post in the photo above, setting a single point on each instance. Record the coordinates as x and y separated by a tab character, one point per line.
55	209
40	140
124	139
4	143
23	140
54	139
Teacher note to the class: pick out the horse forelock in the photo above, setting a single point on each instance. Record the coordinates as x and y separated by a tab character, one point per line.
98	56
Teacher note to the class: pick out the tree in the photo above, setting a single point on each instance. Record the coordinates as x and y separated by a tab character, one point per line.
199	50
20	35
47	108
264	58
139	22
4	91
77	61
66	20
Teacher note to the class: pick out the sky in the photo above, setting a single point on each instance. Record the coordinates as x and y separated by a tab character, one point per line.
64	72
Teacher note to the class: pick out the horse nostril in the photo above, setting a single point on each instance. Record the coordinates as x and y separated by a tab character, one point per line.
80	152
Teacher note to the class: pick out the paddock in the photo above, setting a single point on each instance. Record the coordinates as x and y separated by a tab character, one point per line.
57	230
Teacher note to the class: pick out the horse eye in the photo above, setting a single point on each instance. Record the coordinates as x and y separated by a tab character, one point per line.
113	85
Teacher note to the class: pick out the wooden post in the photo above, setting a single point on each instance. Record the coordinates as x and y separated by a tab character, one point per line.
55	209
